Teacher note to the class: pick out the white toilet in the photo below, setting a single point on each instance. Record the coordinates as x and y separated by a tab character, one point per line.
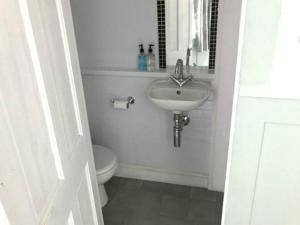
106	164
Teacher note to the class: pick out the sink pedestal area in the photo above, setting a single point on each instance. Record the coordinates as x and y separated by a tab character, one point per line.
180	120
168	95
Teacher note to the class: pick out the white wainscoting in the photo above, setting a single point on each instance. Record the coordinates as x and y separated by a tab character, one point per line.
155	174
264	172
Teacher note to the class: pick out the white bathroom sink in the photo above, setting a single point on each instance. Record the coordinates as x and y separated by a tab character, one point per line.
168	95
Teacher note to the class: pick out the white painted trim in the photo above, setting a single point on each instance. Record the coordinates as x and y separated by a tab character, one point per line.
71	219
3	216
67	53
226	62
125	72
23	4
243	9
156	174
268	92
91	193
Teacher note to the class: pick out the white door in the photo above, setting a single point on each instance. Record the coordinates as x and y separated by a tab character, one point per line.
263	176
47	174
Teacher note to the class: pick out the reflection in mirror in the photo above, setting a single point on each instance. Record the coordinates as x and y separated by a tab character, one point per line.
189	24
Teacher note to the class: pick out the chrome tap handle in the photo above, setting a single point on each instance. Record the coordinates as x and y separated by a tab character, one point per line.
188	54
176	81
179	68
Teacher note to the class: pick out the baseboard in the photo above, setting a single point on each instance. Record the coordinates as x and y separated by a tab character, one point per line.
154	174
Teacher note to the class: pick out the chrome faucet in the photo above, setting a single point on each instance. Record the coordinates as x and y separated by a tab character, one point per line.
187	65
179	69
180	79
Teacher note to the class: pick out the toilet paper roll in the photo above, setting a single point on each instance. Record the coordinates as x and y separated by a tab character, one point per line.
119	104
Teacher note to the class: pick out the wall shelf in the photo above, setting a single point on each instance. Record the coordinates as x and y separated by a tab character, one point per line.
126	72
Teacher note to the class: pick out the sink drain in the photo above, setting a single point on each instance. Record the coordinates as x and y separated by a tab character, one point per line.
178	92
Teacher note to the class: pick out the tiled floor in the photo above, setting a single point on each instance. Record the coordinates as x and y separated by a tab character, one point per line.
137	202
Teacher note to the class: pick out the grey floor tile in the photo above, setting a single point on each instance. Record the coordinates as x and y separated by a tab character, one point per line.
114	221
111	191
142	204
112	187
155	187
132	184
166	189
174	207
203	211
177	190
138	220
205	194
124	183
137	202
115	181
220	197
149	205
127	199
219	212
165	220
110	209
113	216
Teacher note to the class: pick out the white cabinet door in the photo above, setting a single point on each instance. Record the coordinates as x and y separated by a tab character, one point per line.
264	179
47	173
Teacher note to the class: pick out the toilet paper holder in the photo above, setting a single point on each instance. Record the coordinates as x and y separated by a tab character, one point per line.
130	100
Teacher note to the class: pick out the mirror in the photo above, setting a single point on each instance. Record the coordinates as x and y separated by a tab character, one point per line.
184	24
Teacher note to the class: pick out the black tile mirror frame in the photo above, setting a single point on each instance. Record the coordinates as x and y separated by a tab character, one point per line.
161	24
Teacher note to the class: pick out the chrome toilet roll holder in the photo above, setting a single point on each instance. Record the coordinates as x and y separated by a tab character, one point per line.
130	100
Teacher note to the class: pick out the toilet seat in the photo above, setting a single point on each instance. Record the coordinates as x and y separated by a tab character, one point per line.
105	159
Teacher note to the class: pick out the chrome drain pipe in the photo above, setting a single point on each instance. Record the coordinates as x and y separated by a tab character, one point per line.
177	130
180	120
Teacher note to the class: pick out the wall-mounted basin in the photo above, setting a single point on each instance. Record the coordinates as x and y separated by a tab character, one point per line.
168	95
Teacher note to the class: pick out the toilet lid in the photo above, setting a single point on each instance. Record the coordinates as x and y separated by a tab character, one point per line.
105	159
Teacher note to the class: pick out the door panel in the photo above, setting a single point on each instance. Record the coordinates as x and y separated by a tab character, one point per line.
85	199
11	177
59	56
71	220
28	118
272	194
47	172
265	175
70	51
74	218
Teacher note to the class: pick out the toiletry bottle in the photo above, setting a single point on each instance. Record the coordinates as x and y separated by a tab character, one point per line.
142	59
150	59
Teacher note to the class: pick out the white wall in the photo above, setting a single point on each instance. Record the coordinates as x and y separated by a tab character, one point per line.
226	67
143	134
108	32
93	32
260	40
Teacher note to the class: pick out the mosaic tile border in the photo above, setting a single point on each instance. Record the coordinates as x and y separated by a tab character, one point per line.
161	25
